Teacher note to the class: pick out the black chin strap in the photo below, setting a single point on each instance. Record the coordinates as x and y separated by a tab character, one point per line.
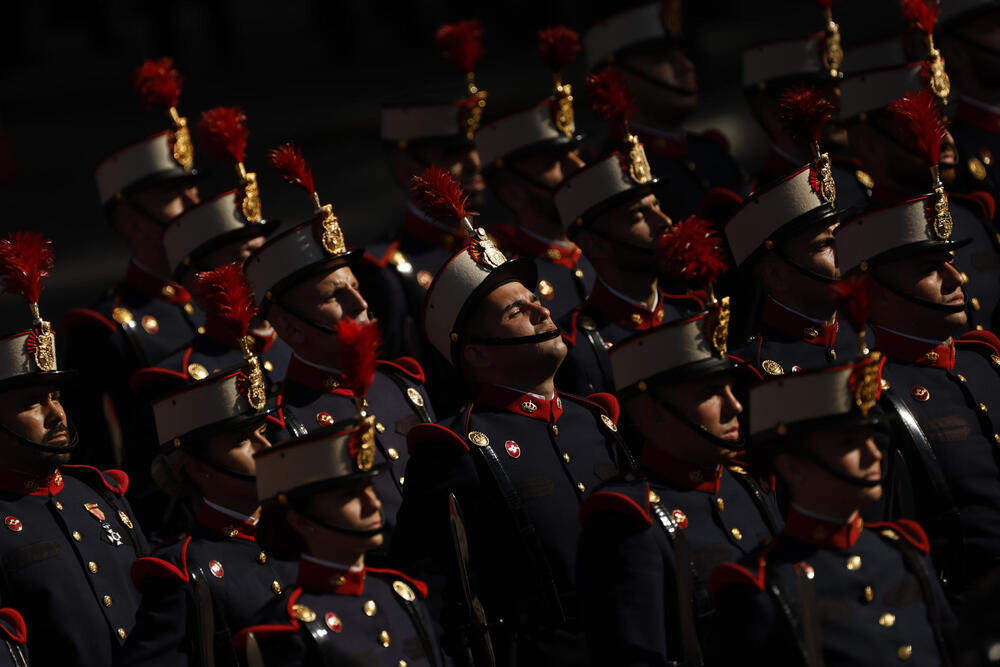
808	273
700	429
940	307
517	340
299	316
298	507
660	83
74	438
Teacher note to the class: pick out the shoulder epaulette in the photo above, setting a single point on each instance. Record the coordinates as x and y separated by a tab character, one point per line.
907	529
407	366
614	502
974	338
115	481
151	567
415	584
607	403
80	318
293	609
13	626
423	434
726	574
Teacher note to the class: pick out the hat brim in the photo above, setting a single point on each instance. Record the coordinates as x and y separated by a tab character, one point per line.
349	258
635	192
58	378
553	145
264	228
919	248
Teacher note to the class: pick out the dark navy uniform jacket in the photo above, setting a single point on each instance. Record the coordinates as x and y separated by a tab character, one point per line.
313	398
66	547
952	390
565	276
519	466
976	129
627	565
689	164
789	342
334	616
872	595
606	319
241	578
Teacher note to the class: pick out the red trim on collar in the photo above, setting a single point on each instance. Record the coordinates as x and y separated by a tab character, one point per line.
984	119
31	485
214	520
168	290
520	403
681	473
316	576
822	533
525	244
315	378
451	240
913	351
793	324
658	144
382	261
624	312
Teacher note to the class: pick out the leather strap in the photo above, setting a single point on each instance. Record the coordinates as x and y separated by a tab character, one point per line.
601	353
418	624
748	483
293	424
204	618
130	330
398	380
320	636
787	603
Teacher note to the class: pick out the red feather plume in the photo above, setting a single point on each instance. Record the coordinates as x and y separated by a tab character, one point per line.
804	111
853	300
922	123
288	160
439	195
25	259
359	344
610	98
558	46
223	133
692	251
228	297
923	14
461	44
158	84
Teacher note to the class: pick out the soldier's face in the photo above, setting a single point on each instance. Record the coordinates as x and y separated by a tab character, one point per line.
929	276
463	163
635	226
329	298
36	414
815	250
853	452
234	450
355	506
551	169
167	201
671	66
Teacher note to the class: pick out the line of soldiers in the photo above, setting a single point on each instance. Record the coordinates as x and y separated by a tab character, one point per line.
664	414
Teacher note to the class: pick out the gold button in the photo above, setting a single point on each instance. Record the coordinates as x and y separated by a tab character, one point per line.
636	319
92	566
379	427
653	497
566	457
887	620
76	535
383	638
168	291
276	587
107	600
737	534
555	429
961	378
982	407
262	558
122	633
868	595
854	563
965	277
720	503
401	480
189	309
369	608
996	438
581	486
578	273
393	454
904	652
59	505
268	366
402	663
201	330
974	302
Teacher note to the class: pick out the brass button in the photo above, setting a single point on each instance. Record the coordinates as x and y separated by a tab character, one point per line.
578	273
76	535
737	534
189	309
961	378
904	652
168	291
555	429
887	620
393	454
581	486
854	563
974	302
262	558
201	330
197	371
369	608
996	438
276	587
383	638
380	427
654	497
92	566
401	480
982	407
122	633
720	503
566	457
965	277
867	595
402	663
107	600
338	581
268	366
58	505
636	319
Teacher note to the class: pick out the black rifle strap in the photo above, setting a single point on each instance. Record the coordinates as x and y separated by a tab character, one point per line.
600	350
404	388
413	611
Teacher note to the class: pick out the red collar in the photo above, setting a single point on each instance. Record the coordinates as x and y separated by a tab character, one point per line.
520	403
913	351
681	473
626	313
154	285
316	378
822	533
45	485
452	240
660	144
317	576
230	526
985	119
551	252
799	326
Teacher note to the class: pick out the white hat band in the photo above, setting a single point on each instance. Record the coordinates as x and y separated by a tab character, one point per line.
299	463
131	164
620	31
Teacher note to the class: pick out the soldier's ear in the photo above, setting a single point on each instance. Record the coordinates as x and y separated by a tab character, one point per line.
289	328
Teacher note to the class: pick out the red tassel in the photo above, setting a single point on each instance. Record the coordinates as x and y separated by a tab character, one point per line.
359	344
921	119
852	298
558	46
288	160
158	84
223	133
804	111
25	260
228	298
610	98
440	196
923	14
461	44
692	251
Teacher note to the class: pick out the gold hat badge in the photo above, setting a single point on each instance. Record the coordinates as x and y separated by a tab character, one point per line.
159	86
25	260
288	160
461	46
223	133
358	345
612	101
558	47
833	52
803	112
923	15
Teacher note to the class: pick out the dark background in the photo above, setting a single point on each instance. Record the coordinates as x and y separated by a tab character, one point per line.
312	71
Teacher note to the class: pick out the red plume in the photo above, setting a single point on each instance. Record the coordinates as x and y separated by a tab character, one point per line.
692	251
288	160
228	298
804	111
158	84
922	123
610	99
558	46
439	195
853	301
223	133
359	344
25	259
461	44
921	13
